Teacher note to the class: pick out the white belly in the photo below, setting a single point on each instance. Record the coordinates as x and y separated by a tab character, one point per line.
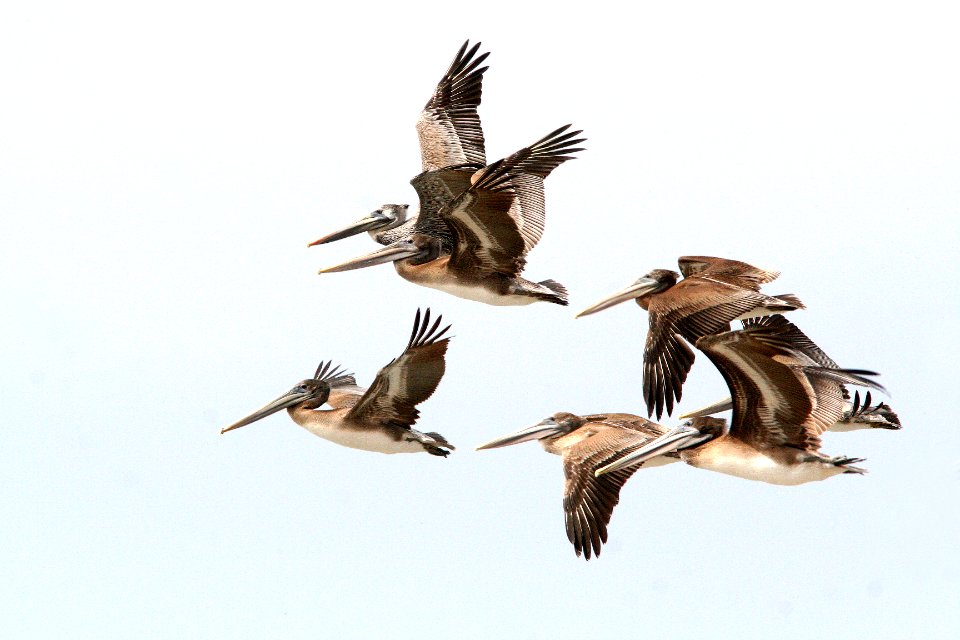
754	465
478	294
366	439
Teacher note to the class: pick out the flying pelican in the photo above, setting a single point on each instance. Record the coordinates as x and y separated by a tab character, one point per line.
451	149
713	293
380	418
782	401
856	414
586	443
475	247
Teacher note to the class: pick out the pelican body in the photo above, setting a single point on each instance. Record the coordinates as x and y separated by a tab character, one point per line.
475	247
377	419
713	293
586	443
782	401
475	223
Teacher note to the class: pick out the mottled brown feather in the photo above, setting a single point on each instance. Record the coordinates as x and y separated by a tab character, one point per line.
449	126
407	380
589	501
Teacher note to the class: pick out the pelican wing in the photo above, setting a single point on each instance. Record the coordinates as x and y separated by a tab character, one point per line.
500	217
780	396
732	271
692	308
449	127
407	380
789	333
588	501
532	165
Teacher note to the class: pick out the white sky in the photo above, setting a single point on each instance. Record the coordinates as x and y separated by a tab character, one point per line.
162	169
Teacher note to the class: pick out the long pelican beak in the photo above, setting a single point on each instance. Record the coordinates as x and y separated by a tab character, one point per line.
367	223
639	288
391	253
546	428
288	399
676	438
710	409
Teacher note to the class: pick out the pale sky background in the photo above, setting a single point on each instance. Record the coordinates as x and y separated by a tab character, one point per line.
163	168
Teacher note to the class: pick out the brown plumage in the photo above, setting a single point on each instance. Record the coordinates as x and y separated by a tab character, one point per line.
475	247
451	150
713	293
587	443
380	418
783	400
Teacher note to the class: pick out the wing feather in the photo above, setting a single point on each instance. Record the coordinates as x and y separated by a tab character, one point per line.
692	308
501	216
407	380
589	501
781	394
449	126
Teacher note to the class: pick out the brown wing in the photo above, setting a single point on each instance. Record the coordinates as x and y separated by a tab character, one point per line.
732	271
780	396
692	308
533	165
437	189
797	339
588	501
407	380
500	217
449	127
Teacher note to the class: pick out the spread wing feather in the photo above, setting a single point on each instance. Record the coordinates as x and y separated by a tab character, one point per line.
500	217
692	308
781	396
406	380
449	127
732	271
588	501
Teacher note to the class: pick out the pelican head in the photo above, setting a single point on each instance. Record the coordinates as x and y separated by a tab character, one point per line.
557	425
307	394
386	217
691	433
419	248
654	282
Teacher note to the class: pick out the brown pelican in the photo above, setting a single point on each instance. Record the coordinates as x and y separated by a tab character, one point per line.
451	148
586	443
856	414
782	401
380	418
475	246
713	293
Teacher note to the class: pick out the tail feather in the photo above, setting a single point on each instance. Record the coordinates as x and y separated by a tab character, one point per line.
560	292
843	462
790	303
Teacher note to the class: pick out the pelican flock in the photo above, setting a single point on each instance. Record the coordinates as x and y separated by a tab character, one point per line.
470	235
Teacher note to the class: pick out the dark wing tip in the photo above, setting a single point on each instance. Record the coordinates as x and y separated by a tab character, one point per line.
424	334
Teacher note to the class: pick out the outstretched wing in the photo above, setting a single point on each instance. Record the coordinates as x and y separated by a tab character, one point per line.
407	380
692	308
534	164
500	217
780	396
449	127
588	501
732	271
